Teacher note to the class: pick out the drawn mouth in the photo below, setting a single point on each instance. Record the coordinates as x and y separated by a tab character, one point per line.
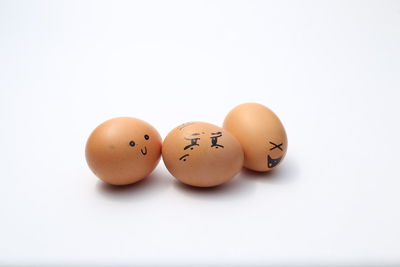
145	151
273	162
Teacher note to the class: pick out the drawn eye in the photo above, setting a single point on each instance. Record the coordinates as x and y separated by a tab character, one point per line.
132	143
276	146
146	137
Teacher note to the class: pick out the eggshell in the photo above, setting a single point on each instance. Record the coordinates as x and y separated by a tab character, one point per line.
202	154
260	133
123	150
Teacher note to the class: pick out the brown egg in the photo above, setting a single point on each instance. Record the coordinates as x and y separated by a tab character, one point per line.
202	154
260	133
123	150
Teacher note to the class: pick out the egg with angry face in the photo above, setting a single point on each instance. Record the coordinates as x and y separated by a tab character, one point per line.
123	150
260	133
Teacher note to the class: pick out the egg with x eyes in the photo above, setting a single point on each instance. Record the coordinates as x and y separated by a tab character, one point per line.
260	133
123	150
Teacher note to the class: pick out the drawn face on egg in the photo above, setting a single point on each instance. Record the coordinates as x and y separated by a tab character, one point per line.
211	140
275	153
143	148
193	139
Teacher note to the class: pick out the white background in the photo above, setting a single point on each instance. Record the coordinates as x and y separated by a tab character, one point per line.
330	70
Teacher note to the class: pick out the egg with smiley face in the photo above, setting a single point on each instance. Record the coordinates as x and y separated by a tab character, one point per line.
123	150
202	154
260	133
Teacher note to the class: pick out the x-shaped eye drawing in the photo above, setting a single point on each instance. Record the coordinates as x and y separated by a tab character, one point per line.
276	146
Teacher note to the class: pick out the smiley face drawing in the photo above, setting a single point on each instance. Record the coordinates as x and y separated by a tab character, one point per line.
123	150
260	133
202	154
144	149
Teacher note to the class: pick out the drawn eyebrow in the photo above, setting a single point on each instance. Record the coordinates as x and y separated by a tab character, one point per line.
216	133
183	157
194	134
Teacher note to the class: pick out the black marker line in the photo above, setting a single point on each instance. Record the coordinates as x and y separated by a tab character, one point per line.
276	146
181	158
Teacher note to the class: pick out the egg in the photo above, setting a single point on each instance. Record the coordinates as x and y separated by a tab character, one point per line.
123	150
202	154
260	133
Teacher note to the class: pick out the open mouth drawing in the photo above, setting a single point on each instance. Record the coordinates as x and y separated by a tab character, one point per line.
273	162
144	152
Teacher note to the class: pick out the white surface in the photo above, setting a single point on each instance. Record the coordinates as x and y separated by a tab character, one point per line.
330	70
